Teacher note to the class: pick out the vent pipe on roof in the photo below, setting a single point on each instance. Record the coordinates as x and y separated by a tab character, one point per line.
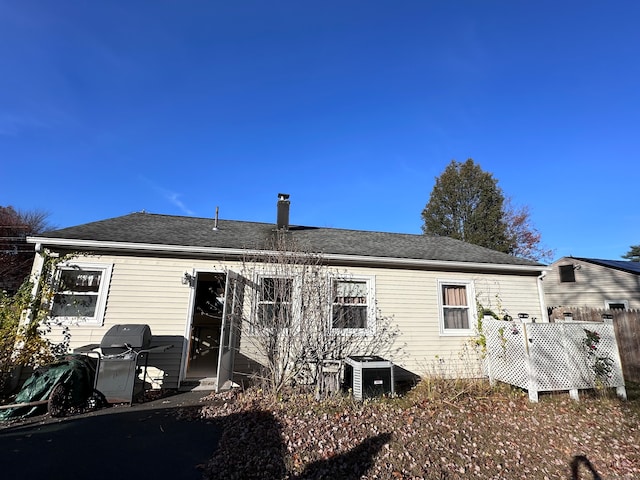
215	223
283	211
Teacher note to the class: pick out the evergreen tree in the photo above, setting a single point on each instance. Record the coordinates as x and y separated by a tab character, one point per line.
633	254
467	204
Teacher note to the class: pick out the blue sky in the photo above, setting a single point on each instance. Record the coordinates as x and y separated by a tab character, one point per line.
352	107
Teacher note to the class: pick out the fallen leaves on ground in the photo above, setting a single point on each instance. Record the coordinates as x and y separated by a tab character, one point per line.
493	435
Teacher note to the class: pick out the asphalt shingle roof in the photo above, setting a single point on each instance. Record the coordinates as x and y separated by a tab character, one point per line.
155	229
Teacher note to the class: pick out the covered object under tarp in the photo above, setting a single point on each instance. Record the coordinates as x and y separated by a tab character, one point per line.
66	383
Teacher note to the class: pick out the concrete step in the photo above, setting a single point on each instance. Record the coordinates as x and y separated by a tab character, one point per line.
198	384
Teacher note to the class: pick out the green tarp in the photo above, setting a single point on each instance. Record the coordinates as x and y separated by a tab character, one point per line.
75	372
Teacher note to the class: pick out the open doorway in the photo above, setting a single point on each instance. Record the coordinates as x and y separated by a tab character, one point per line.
206	324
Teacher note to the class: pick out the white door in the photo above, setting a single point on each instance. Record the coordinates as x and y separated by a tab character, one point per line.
231	321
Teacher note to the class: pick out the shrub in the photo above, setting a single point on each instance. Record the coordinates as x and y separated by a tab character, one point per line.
24	323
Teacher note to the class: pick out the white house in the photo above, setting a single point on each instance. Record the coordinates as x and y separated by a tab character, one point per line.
176	274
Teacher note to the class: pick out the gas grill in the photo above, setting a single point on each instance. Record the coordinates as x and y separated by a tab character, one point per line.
122	354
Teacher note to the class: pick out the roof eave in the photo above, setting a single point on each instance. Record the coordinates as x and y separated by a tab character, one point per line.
240	252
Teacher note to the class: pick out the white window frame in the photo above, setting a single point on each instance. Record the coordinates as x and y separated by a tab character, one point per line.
97	319
255	327
607	304
369	280
470	293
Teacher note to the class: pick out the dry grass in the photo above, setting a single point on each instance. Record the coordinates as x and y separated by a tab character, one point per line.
442	429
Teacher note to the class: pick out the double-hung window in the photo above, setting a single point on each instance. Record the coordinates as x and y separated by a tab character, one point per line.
274	302
351	306
456	315
80	293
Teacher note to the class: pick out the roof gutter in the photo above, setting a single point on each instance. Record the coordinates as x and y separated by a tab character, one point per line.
239	252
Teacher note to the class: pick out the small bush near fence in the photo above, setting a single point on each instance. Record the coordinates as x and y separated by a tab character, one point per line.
627	327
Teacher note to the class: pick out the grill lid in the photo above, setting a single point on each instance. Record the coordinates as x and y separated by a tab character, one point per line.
119	337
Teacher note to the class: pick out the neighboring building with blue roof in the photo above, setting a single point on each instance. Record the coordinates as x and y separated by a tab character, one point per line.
594	283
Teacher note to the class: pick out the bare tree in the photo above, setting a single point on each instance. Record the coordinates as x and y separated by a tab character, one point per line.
525	239
16	256
305	316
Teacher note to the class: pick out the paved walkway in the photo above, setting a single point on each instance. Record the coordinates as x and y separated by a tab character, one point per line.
141	441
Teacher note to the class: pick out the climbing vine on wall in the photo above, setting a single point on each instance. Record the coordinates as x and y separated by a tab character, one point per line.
25	322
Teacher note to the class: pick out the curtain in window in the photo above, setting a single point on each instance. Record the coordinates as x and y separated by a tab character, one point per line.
80	280
454	295
350	292
456	312
77	293
349	304
456	318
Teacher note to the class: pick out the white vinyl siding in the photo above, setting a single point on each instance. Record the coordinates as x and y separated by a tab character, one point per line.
411	298
146	290
149	290
594	286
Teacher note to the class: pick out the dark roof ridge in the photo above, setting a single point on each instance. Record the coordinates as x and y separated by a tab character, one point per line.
622	265
291	227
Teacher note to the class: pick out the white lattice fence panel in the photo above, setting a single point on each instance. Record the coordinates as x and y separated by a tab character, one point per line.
506	352
549	356
553	356
587	357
